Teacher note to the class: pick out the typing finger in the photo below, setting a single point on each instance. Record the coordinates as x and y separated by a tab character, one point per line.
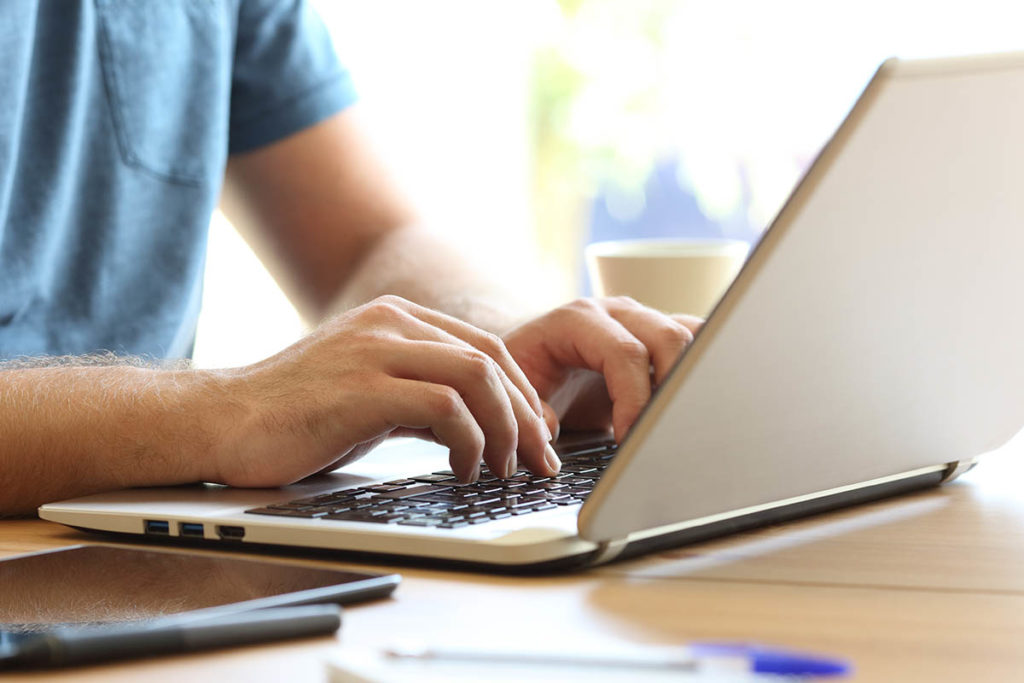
534	431
413	404
664	338
478	380
490	344
690	322
522	440
590	338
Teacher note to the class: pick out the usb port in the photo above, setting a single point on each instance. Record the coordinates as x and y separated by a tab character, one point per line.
191	529
233	533
157	526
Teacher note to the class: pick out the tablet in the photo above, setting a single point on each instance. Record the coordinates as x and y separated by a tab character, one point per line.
101	584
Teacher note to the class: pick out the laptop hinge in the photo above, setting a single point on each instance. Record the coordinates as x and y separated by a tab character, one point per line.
609	550
958	467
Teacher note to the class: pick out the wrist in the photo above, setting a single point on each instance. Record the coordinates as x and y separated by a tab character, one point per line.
215	421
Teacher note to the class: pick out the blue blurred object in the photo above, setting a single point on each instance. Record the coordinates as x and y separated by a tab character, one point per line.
777	662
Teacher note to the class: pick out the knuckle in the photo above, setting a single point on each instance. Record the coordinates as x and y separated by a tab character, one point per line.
479	366
633	351
586	306
392	300
492	345
385	311
623	301
446	402
675	335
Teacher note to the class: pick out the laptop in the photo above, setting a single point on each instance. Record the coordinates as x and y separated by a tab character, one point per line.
870	346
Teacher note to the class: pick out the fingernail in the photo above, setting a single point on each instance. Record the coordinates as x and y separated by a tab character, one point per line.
552	459
547	430
512	467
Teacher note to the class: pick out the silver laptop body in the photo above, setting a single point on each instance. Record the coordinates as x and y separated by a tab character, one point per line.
871	345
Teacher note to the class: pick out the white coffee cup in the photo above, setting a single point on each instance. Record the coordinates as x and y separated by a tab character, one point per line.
672	275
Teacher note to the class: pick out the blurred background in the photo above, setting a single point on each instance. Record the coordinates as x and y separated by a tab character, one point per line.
525	129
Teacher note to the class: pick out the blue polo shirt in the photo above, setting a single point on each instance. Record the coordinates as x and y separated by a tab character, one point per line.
116	120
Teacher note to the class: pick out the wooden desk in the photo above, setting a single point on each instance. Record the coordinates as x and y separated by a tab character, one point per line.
924	588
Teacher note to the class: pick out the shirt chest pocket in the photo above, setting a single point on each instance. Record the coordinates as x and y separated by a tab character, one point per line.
167	72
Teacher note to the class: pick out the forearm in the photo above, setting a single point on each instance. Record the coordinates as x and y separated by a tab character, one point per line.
67	431
417	265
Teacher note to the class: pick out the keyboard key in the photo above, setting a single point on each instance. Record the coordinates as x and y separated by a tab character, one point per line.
570	451
357	516
385	488
578	469
414	491
486	488
315	500
436	477
519	502
438	498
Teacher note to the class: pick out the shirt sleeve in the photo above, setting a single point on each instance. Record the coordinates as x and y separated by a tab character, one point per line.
286	76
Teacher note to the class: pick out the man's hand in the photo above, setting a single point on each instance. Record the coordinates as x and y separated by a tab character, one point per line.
388	367
595	361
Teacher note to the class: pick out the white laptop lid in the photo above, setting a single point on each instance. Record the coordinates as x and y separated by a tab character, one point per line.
876	329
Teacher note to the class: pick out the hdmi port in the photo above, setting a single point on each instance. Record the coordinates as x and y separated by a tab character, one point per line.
233	533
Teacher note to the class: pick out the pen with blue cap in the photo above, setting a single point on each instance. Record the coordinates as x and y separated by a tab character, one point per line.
696	658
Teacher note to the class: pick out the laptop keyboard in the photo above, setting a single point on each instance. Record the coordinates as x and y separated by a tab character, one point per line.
440	500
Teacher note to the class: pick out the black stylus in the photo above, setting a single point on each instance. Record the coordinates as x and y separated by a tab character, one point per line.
78	645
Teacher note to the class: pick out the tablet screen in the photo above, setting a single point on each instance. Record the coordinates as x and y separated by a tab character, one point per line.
103	584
